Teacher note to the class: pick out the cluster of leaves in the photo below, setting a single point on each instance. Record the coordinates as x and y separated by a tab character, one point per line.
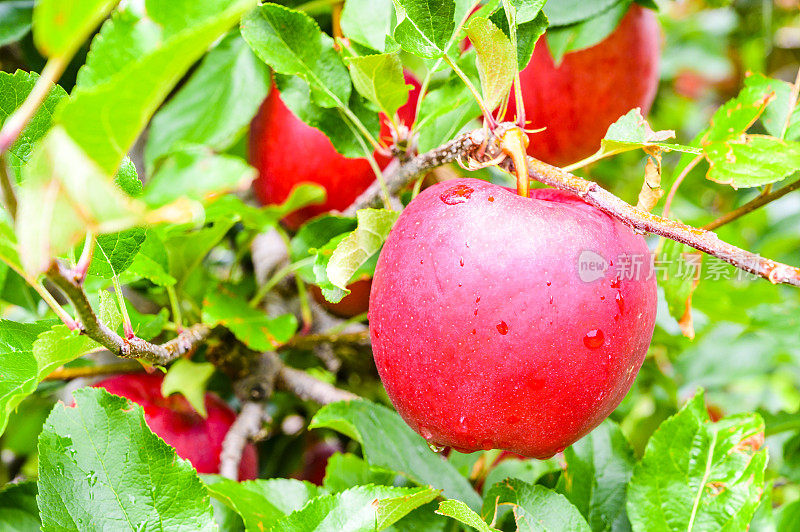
180	240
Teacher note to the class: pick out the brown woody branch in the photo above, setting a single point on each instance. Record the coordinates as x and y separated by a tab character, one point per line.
246	427
69	283
482	147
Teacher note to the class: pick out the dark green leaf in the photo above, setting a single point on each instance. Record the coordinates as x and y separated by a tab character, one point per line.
18	510
389	443
426	26
295	94
563	12
528	34
261	503
699	475
314	235
362	508
292	43
752	160
150	263
345	471
250	325
14	89
777	111
115	252
527	470
535	507
599	467
15	20
262	219
215	106
186	251
118	474
586	33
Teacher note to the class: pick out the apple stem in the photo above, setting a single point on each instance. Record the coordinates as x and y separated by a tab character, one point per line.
513	143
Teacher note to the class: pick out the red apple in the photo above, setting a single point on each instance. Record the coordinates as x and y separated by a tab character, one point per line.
286	152
499	321
578	99
177	423
353	304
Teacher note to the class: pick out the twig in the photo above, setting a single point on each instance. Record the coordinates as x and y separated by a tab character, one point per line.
752	205
468	144
134	347
247	425
312	340
674	188
699	239
398	176
67	374
307	387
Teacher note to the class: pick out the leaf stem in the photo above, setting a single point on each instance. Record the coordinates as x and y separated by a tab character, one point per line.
674	188
126	319
387	202
792	103
487	115
750	206
596	156
277	277
82	266
19	119
175	307
45	294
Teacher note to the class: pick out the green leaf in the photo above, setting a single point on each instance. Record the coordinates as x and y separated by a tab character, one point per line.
261	503
752	160
463	514
680	267
15	20
196	173
296	95
106	117
18	509
345	470
446	109
699	475
528	34
63	195
368	22
250	325
777	111
527	470
190	380
115	252
379	79
535	507
586	33
116	471
599	467
263	219
734	117
525	10
632	131
127	179
54	348
497	60
292	43
186	251
313	236
362	508
18	366
151	262
426	26
563	12
8	244
356	249
61	26
215	106
389	443
14	89
108	311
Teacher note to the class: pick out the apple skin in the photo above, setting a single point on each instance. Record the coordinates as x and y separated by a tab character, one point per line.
177	423
351	305
286	152
590	89
483	332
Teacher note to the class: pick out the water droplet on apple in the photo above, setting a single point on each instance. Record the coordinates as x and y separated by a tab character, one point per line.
436	448
549	283
502	327
474	331
478	299
615	283
620	303
512	420
491	198
461	262
457	194
421	261
551	300
593	339
602	298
